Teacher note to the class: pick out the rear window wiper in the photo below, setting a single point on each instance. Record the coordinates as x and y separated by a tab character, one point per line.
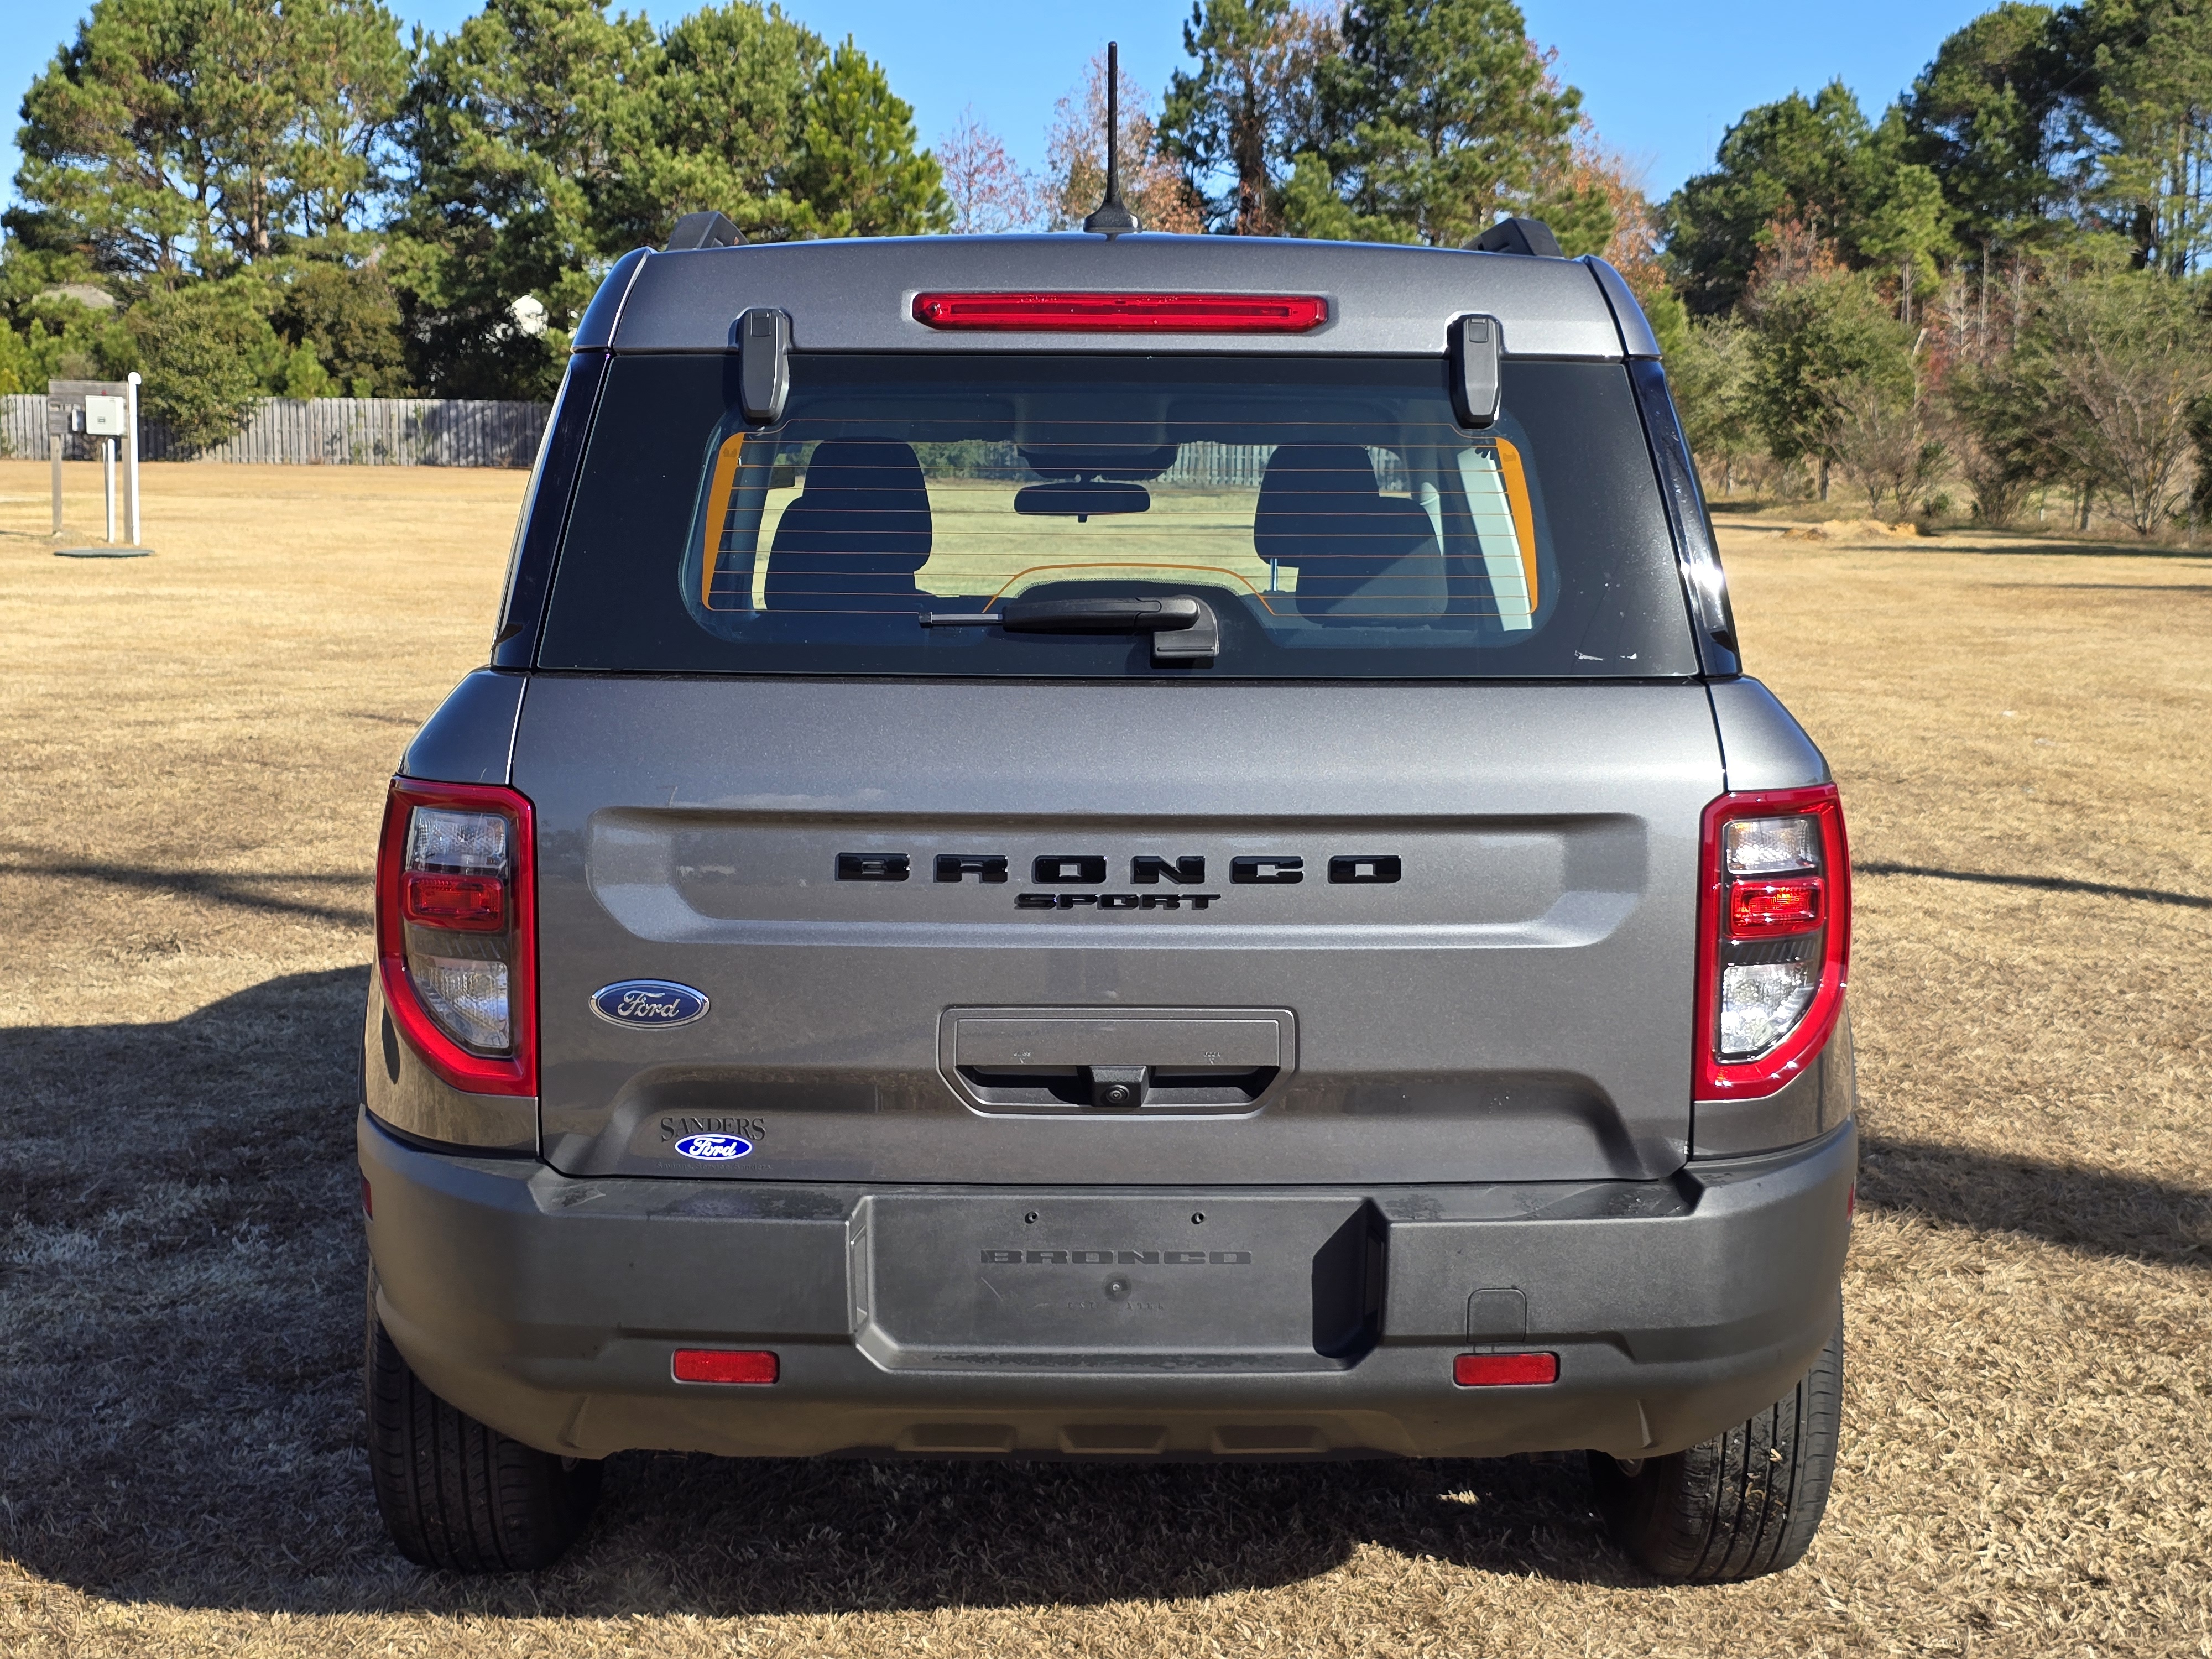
1183	626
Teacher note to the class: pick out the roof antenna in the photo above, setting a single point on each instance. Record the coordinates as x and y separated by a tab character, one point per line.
1110	219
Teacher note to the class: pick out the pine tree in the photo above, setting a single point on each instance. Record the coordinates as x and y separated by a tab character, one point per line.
858	171
1242	116
1440	115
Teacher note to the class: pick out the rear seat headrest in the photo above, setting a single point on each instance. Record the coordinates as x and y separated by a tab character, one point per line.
859	530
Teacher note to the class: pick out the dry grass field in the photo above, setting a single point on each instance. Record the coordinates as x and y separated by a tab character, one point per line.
195	746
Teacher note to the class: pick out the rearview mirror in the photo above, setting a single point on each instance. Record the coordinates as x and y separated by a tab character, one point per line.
1079	499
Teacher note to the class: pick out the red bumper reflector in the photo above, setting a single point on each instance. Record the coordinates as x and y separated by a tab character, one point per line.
1125	314
724	1365
1760	909
471	904
1496	1371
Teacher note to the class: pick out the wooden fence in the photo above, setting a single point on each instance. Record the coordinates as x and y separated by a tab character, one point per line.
324	432
454	431
1211	466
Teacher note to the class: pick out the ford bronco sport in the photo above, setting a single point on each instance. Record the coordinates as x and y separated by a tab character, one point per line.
1133	846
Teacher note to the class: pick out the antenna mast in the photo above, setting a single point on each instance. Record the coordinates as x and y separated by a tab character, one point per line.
1111	218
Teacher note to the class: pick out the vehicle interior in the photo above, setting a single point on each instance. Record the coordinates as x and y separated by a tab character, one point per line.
1310	534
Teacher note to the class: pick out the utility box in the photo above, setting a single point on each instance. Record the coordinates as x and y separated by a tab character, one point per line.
70	406
106	417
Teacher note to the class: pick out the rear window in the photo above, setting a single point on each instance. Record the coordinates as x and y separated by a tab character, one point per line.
1330	512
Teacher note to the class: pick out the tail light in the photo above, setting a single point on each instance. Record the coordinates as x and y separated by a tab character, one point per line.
1774	937
456	944
1125	314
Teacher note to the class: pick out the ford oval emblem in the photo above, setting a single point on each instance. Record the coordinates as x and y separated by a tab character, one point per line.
649	1002
713	1149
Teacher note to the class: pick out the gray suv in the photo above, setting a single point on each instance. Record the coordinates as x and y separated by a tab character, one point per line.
1133	846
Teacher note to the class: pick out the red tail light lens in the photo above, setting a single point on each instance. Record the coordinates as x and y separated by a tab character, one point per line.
1774	937
1766	909
456	945
476	904
1125	314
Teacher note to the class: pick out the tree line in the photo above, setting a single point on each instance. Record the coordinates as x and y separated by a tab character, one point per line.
1994	289
243	197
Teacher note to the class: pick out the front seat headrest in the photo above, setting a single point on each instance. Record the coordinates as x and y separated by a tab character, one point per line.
1322	512
857	533
1309	493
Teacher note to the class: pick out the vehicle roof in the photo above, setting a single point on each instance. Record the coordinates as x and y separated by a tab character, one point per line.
857	295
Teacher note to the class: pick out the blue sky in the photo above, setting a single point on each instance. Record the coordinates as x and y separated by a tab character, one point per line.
1662	81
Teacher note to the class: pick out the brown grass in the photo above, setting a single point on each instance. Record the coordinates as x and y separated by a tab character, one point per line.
196	744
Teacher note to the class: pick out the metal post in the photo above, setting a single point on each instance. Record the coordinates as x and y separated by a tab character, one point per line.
130	464
107	483
54	449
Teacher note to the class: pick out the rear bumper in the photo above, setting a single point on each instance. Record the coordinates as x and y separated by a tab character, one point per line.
550	1308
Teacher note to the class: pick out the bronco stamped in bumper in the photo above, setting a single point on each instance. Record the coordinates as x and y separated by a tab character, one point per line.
1086	1321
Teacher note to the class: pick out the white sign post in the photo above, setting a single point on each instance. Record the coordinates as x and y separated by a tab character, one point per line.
107	411
131	470
107	419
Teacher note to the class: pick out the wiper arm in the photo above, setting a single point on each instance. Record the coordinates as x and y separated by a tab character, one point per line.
1183	626
1098	616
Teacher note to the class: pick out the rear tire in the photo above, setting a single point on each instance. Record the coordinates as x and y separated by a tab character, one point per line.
455	1493
1744	1504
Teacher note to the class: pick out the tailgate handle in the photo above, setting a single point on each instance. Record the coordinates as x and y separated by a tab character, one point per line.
1053	1040
1198	1060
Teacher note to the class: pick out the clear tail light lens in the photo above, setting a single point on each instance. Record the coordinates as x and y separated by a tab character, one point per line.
456	946
1761	1003
469	999
1767	847
1773	937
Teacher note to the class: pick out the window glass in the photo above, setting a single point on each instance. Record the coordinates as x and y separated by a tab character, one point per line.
1330	512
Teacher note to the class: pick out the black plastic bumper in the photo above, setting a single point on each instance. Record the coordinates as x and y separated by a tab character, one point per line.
1086	1321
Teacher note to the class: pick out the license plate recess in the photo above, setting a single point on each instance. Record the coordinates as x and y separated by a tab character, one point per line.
1260	1283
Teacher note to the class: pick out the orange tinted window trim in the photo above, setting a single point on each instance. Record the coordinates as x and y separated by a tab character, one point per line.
717	514
1524	516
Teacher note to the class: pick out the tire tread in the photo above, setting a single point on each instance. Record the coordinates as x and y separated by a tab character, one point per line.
454	1492
1742	1504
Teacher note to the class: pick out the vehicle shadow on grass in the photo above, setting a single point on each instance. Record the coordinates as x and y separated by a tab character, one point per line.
2076	1208
246	891
180	1271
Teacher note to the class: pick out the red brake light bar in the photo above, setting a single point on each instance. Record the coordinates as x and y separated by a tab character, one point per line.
1125	314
